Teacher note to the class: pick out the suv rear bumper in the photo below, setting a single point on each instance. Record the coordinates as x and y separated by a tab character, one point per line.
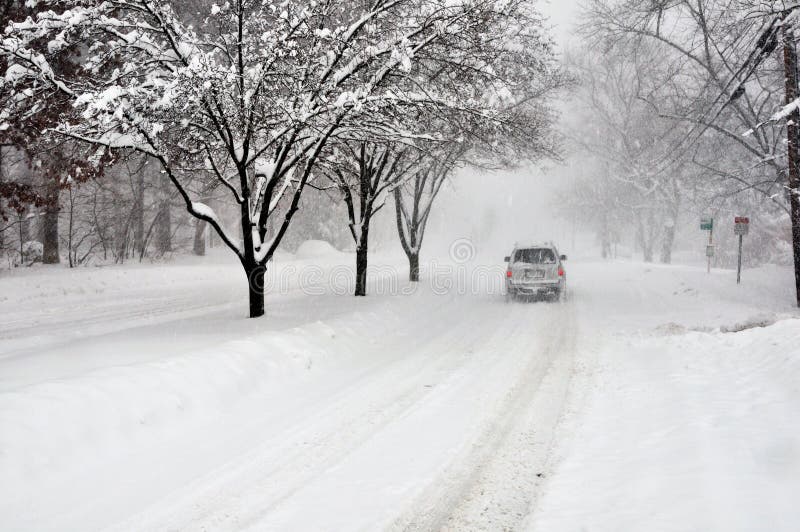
534	287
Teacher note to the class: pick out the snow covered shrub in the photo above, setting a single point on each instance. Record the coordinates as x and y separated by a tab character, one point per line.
32	252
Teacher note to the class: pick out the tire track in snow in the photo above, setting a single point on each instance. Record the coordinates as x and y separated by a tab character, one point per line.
207	450
443	422
241	492
440	351
494	484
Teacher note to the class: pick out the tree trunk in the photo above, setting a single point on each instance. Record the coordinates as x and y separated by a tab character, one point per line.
412	226
199	247
361	271
605	245
667	243
361	260
2	177
647	252
50	253
164	234
138	215
24	227
71	225
413	267
605	238
793	150
24	235
794	200
255	284
164	230
120	239
642	238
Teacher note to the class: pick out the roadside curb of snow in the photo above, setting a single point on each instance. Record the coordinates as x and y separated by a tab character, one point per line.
58	426
759	321
47	426
709	414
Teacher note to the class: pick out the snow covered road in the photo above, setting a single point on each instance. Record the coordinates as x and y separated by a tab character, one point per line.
415	412
365	409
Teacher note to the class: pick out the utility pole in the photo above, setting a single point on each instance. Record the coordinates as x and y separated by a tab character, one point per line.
739	266
707	224
793	155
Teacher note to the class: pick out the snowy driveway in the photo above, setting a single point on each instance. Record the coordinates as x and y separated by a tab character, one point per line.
403	412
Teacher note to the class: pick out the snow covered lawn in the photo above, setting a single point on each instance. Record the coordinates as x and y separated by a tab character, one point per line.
140	398
686	425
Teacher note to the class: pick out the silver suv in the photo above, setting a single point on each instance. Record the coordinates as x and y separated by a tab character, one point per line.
536	270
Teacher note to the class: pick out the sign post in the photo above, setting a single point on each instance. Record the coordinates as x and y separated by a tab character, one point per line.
707	224
741	225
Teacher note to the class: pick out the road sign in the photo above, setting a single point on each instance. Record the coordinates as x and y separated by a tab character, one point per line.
707	224
741	225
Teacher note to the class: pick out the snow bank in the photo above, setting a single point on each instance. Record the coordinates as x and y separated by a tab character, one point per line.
53	304
313	249
51	426
638	297
690	432
100	368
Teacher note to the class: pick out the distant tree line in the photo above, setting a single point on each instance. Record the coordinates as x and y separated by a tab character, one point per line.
674	120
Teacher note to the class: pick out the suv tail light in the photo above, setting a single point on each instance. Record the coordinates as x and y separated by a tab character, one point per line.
560	271
508	273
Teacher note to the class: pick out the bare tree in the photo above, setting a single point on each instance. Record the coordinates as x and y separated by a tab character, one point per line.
616	127
414	199
730	59
366	173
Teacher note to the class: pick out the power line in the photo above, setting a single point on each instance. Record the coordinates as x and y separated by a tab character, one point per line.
765	45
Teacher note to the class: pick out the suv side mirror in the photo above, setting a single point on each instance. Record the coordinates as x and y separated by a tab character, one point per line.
562	257
506	258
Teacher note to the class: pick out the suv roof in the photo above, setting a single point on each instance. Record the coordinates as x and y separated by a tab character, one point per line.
526	245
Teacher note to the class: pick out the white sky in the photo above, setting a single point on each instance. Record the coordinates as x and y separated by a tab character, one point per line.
562	15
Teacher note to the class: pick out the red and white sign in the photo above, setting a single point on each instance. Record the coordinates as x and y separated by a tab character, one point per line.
741	224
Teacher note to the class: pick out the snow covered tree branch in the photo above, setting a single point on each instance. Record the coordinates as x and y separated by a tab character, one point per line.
255	93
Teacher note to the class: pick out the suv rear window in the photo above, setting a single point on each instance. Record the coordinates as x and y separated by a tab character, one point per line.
535	256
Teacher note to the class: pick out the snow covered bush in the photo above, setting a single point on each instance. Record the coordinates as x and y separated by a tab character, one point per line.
32	252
